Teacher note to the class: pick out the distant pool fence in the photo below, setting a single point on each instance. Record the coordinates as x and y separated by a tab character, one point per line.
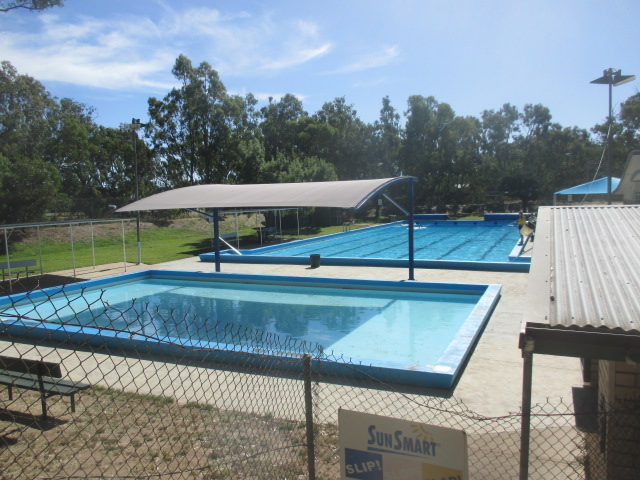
183	413
91	242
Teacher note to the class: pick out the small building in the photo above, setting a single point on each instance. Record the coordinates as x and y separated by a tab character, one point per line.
583	300
629	187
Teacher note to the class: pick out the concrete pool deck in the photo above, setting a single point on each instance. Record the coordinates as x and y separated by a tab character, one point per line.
491	383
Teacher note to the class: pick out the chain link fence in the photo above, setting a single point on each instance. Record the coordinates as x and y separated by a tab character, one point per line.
140	404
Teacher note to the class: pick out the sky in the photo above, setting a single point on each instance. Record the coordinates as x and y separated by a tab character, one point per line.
113	55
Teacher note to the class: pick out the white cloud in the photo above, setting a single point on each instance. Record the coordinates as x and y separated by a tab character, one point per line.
90	53
242	44
130	52
373	60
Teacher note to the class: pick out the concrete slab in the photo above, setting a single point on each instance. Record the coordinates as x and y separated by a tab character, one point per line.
491	383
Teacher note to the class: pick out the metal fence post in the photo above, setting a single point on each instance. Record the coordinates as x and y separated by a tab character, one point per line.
308	408
525	430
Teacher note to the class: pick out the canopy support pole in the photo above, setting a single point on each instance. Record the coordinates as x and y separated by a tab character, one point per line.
396	204
216	234
410	230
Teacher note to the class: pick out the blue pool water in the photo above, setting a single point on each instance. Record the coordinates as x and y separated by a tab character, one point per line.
410	326
481	245
435	241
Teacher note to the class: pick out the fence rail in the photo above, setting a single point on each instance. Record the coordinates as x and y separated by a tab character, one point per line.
89	241
187	414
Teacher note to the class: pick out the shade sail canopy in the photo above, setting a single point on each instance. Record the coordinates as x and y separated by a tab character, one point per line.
597	187
345	194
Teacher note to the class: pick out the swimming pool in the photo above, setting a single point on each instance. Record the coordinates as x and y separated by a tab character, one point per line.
454	244
406	332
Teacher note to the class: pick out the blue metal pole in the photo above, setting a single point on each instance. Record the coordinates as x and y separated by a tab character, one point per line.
411	262
216	234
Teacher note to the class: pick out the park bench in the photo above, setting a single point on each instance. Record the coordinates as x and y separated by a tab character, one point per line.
17	266
39	376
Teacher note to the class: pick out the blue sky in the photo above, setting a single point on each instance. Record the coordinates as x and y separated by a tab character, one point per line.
474	55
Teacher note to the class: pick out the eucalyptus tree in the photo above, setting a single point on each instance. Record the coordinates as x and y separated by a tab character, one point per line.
388	141
498	132
461	160
629	136
244	153
33	5
281	125
572	158
71	150
537	151
297	168
429	149
28	182
527	156
190	128
120	157
336	134
630	115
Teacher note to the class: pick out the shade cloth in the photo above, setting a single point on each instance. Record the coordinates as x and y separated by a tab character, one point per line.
597	187
341	194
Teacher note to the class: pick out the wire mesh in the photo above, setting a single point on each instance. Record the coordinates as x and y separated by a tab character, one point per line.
232	404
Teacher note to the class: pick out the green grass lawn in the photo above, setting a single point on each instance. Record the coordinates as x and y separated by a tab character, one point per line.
172	240
159	244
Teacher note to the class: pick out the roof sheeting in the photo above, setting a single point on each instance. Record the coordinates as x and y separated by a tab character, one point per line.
345	194
597	187
585	270
583	297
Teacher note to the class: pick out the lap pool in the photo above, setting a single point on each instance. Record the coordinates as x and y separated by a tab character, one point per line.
452	244
412	333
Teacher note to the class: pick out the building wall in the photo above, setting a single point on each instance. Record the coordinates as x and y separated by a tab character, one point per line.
629	187
619	435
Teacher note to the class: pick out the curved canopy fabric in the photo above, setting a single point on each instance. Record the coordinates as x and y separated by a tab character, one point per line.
345	194
597	187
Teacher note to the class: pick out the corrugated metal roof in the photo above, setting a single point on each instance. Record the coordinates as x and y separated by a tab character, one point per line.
585	270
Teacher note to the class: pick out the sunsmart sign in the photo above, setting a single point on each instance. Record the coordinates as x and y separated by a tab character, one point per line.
373	447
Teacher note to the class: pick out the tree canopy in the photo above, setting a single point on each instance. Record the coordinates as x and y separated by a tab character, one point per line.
33	5
53	155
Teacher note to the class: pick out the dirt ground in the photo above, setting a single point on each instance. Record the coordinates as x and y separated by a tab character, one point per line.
115	434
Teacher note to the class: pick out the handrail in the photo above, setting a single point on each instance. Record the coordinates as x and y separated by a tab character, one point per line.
524	244
228	245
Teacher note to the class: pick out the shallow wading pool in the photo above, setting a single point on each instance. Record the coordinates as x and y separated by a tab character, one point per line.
411	333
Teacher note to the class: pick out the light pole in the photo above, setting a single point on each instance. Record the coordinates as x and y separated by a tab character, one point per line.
613	78
135	125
